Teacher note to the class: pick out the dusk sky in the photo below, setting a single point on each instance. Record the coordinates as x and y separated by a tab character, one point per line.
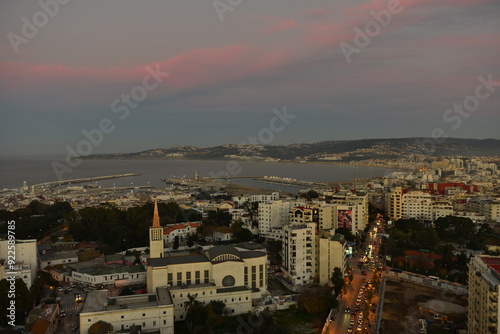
229	67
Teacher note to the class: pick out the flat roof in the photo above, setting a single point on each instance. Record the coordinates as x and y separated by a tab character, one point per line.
180	259
98	301
492	262
95	301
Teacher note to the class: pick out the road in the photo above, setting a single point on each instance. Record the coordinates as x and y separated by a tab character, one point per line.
341	321
69	305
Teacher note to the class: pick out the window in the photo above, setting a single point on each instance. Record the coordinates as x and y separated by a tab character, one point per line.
188	278
246	275
179	278
206	276
170	279
123	317
197	277
164	322
228	281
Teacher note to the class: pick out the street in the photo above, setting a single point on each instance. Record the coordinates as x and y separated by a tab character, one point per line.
352	321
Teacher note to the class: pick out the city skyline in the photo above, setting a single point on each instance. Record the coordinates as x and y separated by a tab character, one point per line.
216	73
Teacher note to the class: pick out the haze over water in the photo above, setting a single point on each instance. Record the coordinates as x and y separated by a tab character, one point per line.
15	170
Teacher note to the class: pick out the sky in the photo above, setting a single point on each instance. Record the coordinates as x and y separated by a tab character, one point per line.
125	75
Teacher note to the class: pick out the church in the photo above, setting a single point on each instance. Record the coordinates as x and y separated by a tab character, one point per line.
235	276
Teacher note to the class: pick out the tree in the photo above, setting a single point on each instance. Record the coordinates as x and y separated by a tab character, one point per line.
176	242
317	301
190	240
311	194
337	280
23	298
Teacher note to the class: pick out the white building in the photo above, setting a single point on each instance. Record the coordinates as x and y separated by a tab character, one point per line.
182	230
262	198
55	258
418	205
147	313
331	253
26	259
273	215
299	246
220	273
114	274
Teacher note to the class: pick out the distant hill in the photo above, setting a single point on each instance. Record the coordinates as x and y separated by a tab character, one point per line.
345	151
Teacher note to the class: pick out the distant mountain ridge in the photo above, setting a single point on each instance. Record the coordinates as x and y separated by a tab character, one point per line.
344	151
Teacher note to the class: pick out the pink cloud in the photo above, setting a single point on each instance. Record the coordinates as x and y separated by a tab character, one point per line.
282	25
195	68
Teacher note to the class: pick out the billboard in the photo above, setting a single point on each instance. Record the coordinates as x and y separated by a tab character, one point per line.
345	219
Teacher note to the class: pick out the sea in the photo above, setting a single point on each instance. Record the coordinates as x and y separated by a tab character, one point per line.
15	171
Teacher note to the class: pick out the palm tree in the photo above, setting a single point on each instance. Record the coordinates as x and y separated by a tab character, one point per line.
191	303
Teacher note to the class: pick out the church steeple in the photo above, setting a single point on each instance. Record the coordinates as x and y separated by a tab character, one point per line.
156	236
156	217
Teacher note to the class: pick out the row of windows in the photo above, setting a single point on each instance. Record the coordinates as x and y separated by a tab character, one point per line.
197	280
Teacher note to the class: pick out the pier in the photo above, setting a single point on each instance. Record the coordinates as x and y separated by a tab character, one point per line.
83	180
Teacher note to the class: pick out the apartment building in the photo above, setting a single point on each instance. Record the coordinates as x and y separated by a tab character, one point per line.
489	208
358	201
418	205
393	202
273	215
484	289
262	198
299	247
26	259
331	253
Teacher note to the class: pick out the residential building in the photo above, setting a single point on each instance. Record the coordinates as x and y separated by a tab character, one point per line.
262	198
273	215
182	230
393	201
299	246
105	275
484	288
26	259
331	253
146	313
54	258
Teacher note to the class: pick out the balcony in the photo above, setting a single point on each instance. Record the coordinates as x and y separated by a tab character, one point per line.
492	320
493	310
494	299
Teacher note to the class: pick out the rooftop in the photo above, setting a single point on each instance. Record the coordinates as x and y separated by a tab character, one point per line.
179	259
98	301
493	262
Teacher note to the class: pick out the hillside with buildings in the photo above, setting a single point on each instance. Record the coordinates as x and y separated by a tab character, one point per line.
383	152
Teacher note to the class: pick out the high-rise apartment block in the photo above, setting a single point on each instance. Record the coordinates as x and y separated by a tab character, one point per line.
484	289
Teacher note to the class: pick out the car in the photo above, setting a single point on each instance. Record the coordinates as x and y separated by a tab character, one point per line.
351	322
58	299
86	289
74	327
62	314
347	309
60	288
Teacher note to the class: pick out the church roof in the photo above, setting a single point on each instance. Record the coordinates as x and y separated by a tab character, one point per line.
214	252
